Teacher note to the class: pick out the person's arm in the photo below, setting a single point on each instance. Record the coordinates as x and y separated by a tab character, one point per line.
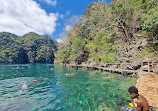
129	108
138	108
132	101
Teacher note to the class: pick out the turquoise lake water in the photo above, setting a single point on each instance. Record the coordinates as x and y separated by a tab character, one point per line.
86	91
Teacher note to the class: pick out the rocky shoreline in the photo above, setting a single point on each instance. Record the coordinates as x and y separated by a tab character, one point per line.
147	87
137	68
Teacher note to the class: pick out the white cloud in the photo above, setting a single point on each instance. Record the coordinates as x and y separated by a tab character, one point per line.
68	28
25	16
50	2
60	15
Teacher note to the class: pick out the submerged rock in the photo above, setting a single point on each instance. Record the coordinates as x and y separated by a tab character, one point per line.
103	107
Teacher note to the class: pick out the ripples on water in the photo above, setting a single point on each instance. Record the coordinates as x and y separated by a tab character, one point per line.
86	91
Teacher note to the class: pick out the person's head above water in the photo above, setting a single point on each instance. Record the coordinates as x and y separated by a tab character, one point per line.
24	85
133	92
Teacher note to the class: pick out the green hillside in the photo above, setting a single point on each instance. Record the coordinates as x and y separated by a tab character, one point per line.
29	48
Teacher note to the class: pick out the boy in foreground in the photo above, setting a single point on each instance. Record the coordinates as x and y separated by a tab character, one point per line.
142	104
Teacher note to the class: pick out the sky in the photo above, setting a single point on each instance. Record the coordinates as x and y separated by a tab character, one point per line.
40	16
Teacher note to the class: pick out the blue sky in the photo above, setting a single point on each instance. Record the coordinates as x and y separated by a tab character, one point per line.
67	8
40	16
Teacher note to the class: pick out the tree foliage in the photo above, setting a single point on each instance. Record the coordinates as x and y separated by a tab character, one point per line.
107	33
29	48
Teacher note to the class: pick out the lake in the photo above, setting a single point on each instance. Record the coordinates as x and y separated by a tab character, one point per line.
87	90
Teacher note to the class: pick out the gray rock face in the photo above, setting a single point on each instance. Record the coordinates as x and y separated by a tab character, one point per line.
145	67
156	69
136	64
84	63
72	62
93	64
142	74
129	67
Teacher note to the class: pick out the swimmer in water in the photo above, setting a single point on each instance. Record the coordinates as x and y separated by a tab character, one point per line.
72	74
36	80
22	68
51	68
18	67
24	86
110	76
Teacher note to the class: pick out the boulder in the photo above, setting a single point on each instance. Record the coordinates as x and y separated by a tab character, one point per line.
114	66
84	63
145	67
136	64
93	64
101	65
72	62
105	65
142	73
156	69
129	67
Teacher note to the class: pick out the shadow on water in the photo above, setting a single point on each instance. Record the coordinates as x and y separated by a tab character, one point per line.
85	91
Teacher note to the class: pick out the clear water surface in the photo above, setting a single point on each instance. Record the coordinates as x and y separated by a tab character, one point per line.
86	91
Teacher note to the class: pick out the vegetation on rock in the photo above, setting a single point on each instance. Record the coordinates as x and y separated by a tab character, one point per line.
117	32
29	48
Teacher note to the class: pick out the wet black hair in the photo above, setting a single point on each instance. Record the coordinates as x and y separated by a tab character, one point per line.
133	89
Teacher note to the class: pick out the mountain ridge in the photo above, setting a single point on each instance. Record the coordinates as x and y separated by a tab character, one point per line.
29	48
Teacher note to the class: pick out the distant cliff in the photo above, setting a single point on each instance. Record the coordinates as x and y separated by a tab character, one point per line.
29	48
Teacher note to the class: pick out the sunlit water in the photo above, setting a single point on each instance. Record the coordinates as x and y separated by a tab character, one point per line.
86	91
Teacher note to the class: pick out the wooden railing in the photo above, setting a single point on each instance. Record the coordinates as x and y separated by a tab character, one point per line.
151	64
